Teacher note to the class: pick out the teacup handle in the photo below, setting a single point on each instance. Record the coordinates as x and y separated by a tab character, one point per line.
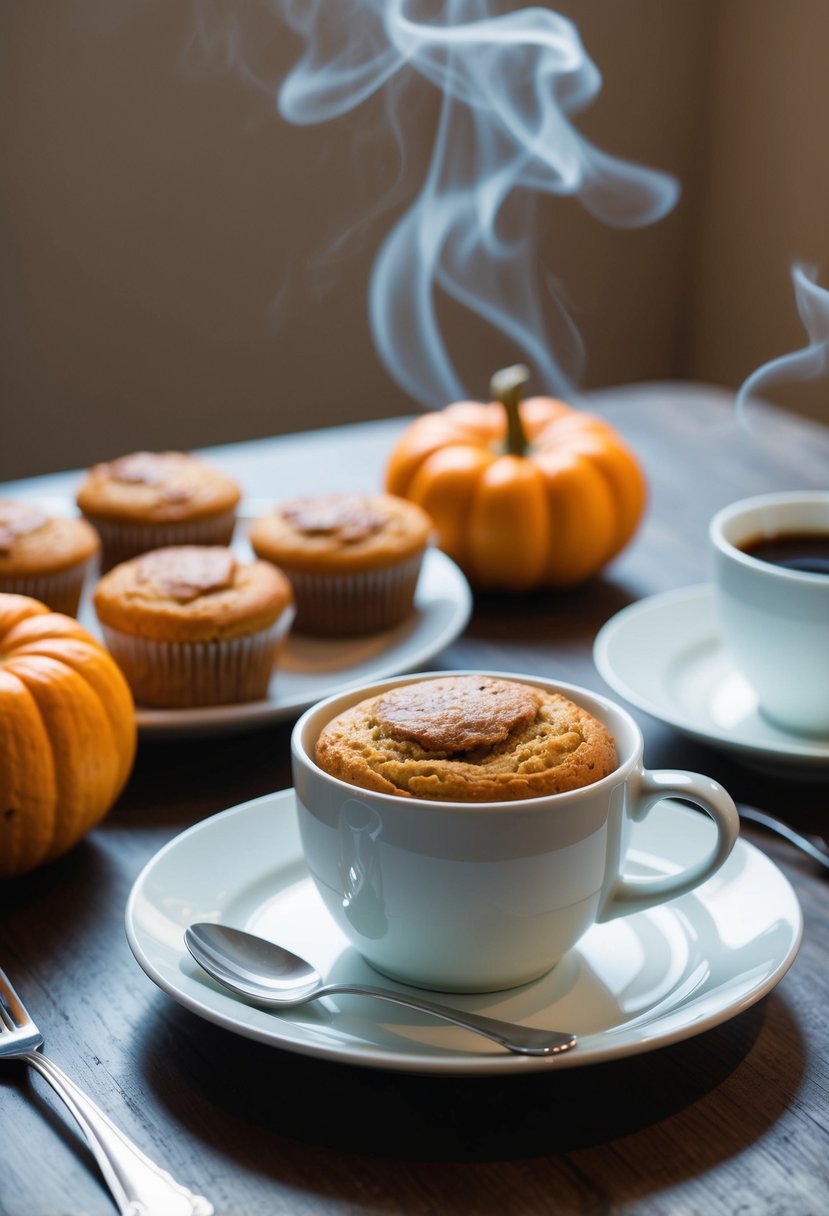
632	894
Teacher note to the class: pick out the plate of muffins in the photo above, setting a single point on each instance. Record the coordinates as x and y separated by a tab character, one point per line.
226	615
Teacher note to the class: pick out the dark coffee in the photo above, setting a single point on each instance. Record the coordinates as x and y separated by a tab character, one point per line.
806	551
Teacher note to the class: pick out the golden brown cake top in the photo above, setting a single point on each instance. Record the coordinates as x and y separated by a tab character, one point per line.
340	532
156	487
33	542
192	593
467	739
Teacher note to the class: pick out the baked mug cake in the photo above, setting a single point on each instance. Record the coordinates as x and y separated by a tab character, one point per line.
353	559
151	500
193	626
467	739
43	556
465	829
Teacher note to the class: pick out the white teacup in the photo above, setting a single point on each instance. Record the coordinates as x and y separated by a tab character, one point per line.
482	896
774	620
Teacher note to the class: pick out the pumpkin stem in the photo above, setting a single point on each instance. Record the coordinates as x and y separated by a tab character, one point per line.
506	385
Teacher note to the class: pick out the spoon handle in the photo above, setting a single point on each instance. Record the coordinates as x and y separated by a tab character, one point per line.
526	1040
809	846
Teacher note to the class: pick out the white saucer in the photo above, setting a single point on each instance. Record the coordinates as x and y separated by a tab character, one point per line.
663	655
312	668
629	986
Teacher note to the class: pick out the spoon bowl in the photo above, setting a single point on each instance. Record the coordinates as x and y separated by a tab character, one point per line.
270	976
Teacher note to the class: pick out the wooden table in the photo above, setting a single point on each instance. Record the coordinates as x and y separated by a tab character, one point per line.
733	1120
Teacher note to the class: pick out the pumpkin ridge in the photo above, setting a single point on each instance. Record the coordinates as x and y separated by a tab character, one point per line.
67	733
81	742
106	682
21	806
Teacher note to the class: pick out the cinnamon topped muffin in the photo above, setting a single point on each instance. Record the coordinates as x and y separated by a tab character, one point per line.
150	500
467	739
191	625
353	559
46	557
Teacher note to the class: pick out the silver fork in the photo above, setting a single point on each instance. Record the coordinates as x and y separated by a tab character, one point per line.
138	1186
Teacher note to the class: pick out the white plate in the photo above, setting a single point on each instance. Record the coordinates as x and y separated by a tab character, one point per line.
663	655
637	983
312	668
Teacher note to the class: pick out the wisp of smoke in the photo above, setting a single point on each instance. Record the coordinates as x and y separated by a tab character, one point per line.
509	84
809	362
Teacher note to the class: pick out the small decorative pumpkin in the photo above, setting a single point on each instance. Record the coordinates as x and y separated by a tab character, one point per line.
67	733
523	494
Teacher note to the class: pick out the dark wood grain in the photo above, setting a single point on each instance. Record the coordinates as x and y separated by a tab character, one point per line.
733	1120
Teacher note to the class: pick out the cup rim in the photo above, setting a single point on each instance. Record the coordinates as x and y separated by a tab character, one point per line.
754	506
350	696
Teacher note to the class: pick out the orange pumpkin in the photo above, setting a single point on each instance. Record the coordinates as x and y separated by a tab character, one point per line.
524	494
67	733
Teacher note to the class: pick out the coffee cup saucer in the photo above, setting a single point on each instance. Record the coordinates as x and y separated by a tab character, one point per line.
664	655
629	986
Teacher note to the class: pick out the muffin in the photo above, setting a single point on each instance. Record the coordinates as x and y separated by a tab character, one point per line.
467	738
45	557
152	500
190	625
353	559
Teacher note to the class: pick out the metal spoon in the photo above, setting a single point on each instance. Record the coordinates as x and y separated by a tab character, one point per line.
269	975
814	846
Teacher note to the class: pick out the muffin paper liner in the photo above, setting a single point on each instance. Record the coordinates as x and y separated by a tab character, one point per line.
179	675
121	541
339	605
60	590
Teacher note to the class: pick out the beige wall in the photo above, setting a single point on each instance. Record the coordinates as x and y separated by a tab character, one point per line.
161	225
765	192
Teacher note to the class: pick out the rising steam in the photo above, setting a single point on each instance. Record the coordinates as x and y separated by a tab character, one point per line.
509	85
810	362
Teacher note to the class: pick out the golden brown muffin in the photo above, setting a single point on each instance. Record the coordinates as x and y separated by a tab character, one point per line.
152	500
353	559
467	739
45	557
191	625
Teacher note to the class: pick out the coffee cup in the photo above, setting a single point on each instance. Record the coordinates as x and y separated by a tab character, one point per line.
771	592
479	896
